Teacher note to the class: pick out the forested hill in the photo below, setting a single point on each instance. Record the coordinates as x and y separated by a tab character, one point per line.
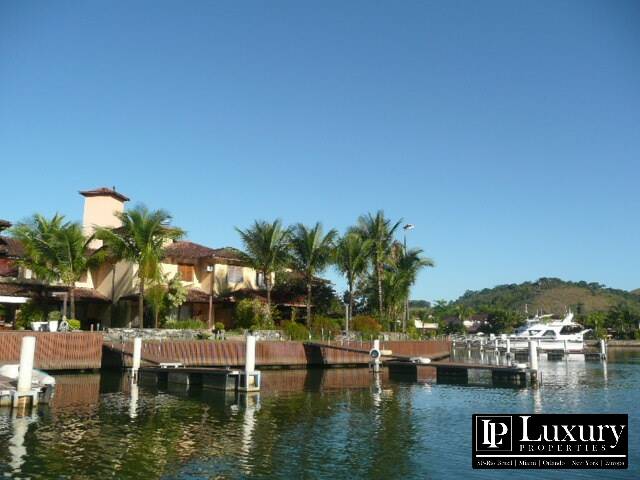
551	295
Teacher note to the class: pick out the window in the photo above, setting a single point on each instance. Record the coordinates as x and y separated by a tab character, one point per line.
570	329
186	272
235	274
549	333
260	280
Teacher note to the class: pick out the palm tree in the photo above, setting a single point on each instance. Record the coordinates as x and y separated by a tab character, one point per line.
407	265
351	257
463	313
380	231
56	251
266	249
311	252
140	239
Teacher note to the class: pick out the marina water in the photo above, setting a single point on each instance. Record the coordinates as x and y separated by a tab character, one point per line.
338	423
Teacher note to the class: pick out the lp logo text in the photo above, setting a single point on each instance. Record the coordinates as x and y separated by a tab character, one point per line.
495	432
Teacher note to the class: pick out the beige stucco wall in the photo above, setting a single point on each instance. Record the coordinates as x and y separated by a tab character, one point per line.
202	278
99	210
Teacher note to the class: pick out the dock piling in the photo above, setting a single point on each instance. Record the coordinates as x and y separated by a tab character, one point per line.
250	378
24	387
533	361
25	372
137	355
375	355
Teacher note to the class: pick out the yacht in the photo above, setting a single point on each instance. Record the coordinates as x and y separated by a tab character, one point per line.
552	334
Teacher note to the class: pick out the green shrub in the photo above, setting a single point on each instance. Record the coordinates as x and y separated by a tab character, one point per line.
325	324
413	332
366	325
203	335
30	312
54	316
252	313
219	326
191	324
295	331
73	324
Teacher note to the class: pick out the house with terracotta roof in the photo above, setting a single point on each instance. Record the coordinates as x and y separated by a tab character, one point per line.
215	278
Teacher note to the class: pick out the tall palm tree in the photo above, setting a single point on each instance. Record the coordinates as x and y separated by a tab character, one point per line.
140	239
407	265
266	249
380	230
351	258
311	252
56	251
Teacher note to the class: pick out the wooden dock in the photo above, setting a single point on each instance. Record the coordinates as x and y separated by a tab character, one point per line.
9	395
458	372
214	378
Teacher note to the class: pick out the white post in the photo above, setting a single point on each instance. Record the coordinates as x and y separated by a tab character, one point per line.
250	354
508	347
137	354
376	361
533	355
27	353
603	348
566	346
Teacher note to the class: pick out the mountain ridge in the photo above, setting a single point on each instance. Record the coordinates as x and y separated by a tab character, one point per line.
551	295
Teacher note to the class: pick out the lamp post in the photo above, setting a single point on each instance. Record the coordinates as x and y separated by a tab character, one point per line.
405	320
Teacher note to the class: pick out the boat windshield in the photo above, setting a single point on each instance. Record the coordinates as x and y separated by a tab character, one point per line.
569	329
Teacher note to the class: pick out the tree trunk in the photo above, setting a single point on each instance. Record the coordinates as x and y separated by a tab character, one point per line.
267	280
72	301
380	302
350	312
155	318
141	305
308	304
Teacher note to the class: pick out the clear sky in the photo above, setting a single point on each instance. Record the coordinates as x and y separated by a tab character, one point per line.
507	132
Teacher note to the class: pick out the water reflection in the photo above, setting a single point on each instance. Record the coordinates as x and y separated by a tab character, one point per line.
337	423
20	422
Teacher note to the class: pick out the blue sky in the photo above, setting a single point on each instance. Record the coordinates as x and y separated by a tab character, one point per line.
507	132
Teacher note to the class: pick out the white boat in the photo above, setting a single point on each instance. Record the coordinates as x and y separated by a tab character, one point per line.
39	379
551	334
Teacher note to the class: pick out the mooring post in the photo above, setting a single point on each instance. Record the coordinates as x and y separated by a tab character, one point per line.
250	379
566	347
508	348
533	361
250	354
603	349
376	360
137	355
25	372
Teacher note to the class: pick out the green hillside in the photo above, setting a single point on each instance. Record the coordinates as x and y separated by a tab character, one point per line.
551	295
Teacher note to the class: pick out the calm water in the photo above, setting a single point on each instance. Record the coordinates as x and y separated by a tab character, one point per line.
304	424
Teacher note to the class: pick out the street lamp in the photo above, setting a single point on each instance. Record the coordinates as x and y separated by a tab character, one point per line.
407	227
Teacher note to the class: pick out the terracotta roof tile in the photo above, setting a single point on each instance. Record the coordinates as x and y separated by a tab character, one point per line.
10	247
104	192
185	249
191	251
33	290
